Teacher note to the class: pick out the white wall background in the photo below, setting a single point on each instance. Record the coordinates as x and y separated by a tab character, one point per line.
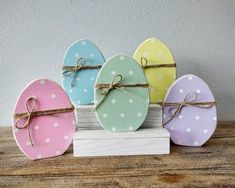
34	36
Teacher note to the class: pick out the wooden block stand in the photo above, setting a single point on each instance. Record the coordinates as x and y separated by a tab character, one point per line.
91	139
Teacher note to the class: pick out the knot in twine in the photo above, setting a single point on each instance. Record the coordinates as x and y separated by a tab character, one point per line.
73	70
144	63
189	100
31	113
105	89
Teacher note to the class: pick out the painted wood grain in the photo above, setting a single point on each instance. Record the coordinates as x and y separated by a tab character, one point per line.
86	118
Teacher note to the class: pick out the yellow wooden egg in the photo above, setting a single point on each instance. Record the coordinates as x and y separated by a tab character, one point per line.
159	66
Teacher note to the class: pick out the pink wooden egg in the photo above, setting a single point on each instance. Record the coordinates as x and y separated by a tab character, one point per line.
46	135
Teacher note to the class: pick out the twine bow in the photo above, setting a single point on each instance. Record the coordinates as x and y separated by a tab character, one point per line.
73	70
31	113
105	89
144	63
189	100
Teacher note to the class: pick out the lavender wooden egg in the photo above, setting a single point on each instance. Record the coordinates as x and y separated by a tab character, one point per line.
193	126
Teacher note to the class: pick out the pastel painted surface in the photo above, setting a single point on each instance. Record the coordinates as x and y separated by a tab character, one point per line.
83	90
51	135
193	126
160	79
121	111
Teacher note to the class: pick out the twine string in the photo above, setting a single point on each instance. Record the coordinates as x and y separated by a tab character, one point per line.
31	113
73	70
27	116
145	64
189	100
105	89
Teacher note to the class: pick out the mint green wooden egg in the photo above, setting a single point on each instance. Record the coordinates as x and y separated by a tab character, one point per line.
122	109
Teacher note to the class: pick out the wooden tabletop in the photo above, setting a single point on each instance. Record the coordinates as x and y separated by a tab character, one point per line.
212	165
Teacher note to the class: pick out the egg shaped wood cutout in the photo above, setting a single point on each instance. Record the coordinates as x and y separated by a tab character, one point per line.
193	119
159	66
43	120
82	62
121	94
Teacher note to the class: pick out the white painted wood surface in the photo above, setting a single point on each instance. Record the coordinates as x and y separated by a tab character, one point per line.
144	141
86	117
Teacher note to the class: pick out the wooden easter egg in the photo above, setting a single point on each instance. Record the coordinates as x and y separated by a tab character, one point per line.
43	120
79	84
192	120
121	108
159	66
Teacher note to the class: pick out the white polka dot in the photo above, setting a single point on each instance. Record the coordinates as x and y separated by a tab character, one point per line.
181	90
159	52
58	152
66	116
16	130
198	91
91	55
171	128
83	42
188	130
42	82
78	102
47	140
130	128
139	114
66	137
55	124
53	96
113	72
196	143
164	116
131	72
122	115
159	77
145	54
190	77
39	156
92	78
197	117
131	100
180	117
105	115
71	90
122	58
113	128
73	122
76	55
36	127
78	78
28	143
85	90
113	101
205	131
214	118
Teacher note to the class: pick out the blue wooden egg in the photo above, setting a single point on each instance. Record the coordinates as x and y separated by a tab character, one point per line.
79	84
